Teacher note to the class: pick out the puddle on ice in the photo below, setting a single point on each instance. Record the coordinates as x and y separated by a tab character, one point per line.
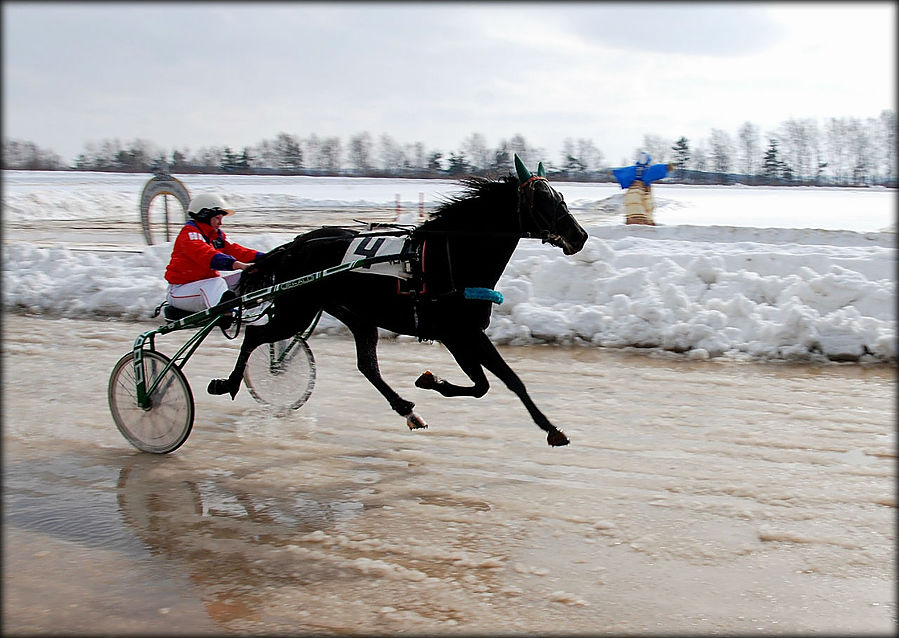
696	497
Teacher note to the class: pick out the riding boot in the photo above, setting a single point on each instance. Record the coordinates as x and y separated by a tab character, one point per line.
227	319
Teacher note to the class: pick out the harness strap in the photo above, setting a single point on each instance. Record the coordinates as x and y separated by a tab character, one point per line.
529	180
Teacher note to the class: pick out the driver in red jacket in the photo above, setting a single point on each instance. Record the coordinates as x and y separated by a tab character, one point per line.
200	251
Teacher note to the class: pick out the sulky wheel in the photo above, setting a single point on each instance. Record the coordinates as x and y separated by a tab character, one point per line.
166	422
281	374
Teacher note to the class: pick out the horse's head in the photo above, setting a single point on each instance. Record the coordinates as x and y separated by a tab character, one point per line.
543	212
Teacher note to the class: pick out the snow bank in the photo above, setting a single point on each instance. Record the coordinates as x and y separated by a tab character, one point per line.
705	291
709	291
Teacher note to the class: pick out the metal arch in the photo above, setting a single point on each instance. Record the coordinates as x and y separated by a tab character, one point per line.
165	185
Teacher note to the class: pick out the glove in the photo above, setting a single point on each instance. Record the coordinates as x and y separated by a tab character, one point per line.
671	166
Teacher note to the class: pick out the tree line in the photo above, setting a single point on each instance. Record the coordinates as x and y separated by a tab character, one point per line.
842	151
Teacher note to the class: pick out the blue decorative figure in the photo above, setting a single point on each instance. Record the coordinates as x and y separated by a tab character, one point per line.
636	180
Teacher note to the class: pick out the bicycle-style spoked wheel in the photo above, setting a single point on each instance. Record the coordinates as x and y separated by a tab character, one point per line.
166	422
281	374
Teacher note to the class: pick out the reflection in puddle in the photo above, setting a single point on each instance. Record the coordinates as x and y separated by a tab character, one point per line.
159	508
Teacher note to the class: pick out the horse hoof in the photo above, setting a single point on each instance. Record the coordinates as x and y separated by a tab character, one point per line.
557	438
415	422
222	386
428	380
218	386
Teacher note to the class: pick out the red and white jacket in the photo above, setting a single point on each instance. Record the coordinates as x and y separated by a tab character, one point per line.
200	252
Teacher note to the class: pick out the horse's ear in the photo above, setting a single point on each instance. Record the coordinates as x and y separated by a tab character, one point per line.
523	173
541	172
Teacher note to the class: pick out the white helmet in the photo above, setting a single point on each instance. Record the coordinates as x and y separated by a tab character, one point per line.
643	158
206	206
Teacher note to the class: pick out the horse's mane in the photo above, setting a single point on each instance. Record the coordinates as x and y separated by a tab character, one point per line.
480	195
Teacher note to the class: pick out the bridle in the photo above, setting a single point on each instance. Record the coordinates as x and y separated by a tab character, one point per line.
545	225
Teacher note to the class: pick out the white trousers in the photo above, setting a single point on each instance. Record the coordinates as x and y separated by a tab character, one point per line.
205	293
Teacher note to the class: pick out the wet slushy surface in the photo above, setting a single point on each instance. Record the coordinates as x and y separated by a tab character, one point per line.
695	497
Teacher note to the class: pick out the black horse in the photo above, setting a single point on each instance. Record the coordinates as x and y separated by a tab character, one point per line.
455	260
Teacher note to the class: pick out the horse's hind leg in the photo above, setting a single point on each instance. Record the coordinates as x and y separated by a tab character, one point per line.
366	337
254	336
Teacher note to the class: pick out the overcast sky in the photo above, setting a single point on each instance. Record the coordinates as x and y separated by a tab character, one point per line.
186	75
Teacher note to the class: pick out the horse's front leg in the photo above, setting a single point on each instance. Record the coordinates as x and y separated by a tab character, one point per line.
494	362
366	337
481	351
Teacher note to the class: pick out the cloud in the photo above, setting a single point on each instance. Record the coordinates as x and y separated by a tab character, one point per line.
698	29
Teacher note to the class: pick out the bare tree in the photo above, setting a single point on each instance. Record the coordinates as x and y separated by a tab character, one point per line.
312	147
860	151
502	158
415	157
288	152
886	127
476	151
579	156
180	162
590	155
360	152
722	151
392	156
265	155
518	145
572	163
750	153
799	147
837	132
329	155
700	158
138	156
209	158
18	154
109	150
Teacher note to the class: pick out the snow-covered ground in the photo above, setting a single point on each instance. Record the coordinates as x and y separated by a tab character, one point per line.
775	273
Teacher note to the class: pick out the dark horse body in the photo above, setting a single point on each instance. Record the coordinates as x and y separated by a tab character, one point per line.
466	245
